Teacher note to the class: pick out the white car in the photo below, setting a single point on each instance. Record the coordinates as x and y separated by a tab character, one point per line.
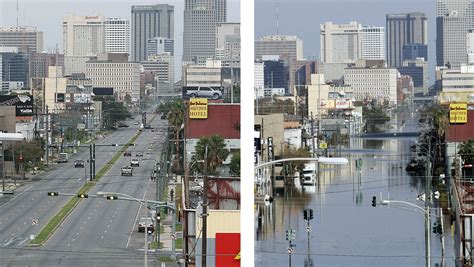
134	163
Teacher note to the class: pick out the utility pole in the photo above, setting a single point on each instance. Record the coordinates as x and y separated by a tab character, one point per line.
204	213
47	136
93	160
312	136
90	162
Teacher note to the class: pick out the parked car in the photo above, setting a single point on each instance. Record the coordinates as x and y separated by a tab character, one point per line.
63	158
127	154
78	163
122	125
139	154
201	91
127	170
146	223
134	163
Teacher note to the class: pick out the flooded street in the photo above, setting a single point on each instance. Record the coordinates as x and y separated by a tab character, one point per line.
346	229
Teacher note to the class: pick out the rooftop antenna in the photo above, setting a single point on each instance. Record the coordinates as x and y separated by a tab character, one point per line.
277	16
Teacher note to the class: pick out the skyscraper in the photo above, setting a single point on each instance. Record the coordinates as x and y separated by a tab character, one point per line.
117	35
149	21
201	18
83	37
464	8
340	43
403	29
372	40
288	48
27	39
451	43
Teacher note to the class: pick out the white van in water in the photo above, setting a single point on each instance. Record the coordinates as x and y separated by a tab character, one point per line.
309	174
63	158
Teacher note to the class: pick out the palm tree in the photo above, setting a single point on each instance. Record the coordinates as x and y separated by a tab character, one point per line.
175	117
217	153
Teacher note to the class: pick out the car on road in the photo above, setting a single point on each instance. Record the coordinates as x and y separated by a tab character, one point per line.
139	154
127	154
134	163
126	170
122	125
63	158
146	223
78	163
147	126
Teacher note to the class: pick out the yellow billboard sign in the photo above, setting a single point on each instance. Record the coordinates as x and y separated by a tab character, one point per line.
198	108
458	113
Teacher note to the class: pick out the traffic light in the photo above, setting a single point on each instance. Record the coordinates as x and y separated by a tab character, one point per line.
53	194
374	201
288	234
112	197
310	214
158	218
437	228
305	214
82	195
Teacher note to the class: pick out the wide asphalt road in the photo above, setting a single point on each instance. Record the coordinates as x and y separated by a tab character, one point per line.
98	227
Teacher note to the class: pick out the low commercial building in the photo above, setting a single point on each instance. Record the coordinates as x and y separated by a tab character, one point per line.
208	75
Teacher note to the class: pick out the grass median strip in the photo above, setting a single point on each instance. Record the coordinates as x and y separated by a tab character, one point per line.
57	219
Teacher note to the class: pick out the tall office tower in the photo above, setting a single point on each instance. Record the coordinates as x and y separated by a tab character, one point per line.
288	48
414	51
340	43
117	35
451	43
149	21
38	67
470	46
228	43
201	18
83	37
418	70
372	40
275	74
28	39
159	45
13	68
464	8
161	65
403	29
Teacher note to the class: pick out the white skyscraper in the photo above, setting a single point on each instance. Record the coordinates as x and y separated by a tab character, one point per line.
372	42
117	35
228	42
288	47
340	43
451	43
83	37
463	8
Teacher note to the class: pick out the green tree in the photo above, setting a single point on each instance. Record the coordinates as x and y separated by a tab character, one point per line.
176	116
127	99
217	153
235	164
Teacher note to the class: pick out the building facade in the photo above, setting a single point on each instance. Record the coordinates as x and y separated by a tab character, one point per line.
13	69
275	74
464	8
418	70
340	43
372	82
114	70
39	63
149	21
117	35
162	67
414	51
228	43
288	48
458	80
198	75
372	40
403	29
159	45
451	43
27	39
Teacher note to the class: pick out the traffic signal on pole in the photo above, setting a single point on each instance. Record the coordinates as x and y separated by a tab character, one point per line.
374	201
82	195
305	214
288	234
53	194
112	197
310	214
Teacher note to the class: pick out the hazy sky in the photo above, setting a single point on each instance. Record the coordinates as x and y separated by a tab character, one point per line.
47	16
303	17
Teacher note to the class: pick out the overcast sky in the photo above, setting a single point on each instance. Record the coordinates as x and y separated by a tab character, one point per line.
303	17
47	16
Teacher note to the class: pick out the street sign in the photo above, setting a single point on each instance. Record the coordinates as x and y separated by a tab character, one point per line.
290	250
308	229
34	222
173	236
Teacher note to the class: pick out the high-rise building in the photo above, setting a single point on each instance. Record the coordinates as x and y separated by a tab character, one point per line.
117	35
13	68
38	67
340	43
149	21
28	39
259	81
209	75
418	70
451	43
114	70
275	74
228	42
372	40
83	37
162	67
414	51
463	8
201	18
159	45
403	29
288	48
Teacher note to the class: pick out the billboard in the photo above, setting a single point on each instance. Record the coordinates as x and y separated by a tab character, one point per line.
343	103
23	104
82	98
227	250
103	90
198	108
327	104
458	113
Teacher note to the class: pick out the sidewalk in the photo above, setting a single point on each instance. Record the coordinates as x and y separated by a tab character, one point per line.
166	235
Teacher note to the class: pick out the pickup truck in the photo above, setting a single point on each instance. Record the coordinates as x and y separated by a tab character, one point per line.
126	170
200	91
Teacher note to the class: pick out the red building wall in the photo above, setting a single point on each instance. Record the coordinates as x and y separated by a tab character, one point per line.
461	132
223	119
